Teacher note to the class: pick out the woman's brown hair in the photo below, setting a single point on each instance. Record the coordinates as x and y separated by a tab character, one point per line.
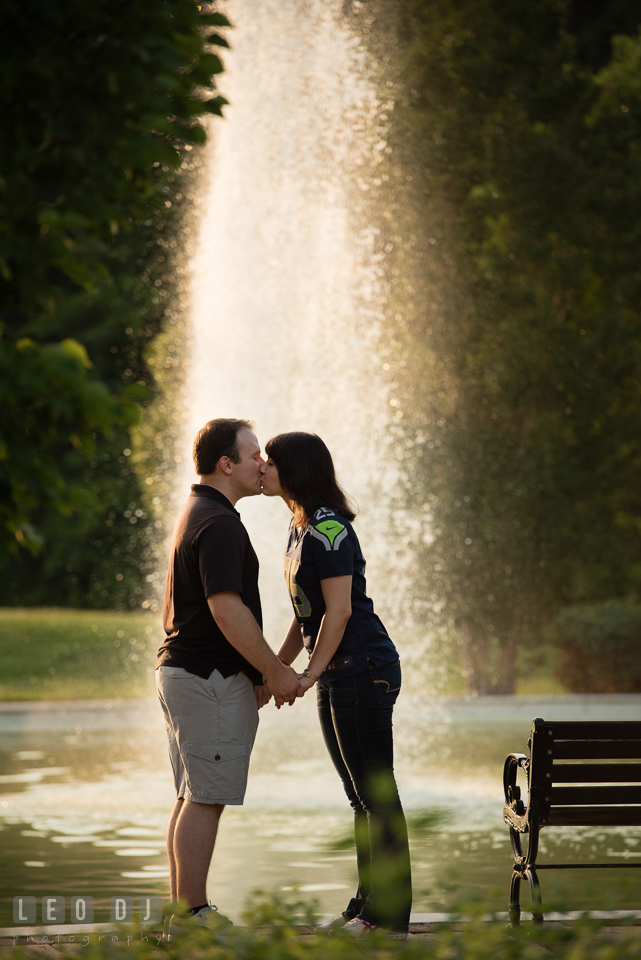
306	473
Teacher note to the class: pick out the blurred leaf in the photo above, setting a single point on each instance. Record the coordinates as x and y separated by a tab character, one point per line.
135	391
422	823
77	350
210	64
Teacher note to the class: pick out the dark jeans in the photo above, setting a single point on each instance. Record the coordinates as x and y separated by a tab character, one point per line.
356	719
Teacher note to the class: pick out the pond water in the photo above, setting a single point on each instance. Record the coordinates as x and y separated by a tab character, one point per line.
85	790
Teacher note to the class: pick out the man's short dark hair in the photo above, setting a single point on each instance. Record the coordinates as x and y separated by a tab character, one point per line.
218	438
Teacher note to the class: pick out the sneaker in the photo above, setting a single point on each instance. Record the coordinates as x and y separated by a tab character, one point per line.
333	924
363	928
207	917
166	924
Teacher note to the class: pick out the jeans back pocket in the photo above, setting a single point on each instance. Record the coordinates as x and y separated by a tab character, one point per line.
387	683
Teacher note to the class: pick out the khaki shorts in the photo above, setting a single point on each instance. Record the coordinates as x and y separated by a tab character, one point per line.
211	726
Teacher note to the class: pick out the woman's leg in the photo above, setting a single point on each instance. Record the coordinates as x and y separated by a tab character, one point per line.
360	816
362	720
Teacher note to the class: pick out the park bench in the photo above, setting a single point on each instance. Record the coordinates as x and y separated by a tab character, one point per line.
579	773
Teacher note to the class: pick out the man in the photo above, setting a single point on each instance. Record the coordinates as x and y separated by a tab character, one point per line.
214	661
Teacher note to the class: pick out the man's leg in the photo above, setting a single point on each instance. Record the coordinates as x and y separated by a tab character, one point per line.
171	828
204	719
194	837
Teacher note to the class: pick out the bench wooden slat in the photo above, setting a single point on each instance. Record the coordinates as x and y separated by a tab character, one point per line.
596	773
594	816
597	750
595	729
571	796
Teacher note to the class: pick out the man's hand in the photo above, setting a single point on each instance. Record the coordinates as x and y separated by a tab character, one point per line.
263	695
283	682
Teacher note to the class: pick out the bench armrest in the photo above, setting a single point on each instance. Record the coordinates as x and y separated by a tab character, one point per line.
512	763
514	812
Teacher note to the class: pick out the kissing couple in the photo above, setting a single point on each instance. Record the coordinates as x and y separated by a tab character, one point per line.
215	669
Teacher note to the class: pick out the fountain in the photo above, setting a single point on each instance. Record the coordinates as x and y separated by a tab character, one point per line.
286	297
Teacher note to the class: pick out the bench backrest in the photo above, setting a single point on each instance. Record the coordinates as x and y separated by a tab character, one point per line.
586	772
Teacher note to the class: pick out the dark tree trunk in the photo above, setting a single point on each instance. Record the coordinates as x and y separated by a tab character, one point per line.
506	674
483	676
476	665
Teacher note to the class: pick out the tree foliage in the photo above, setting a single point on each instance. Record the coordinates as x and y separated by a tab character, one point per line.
46	394
102	107
519	126
99	93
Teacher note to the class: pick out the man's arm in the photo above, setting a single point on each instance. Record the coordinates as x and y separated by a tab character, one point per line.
239	626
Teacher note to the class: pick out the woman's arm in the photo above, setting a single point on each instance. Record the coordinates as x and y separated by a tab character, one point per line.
292	644
337	594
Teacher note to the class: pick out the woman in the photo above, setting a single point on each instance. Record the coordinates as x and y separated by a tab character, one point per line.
356	667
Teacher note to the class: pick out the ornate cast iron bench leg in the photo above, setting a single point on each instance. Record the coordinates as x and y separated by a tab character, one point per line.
524	866
535	890
515	899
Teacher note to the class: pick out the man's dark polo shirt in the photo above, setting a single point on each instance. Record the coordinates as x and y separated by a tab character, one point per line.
210	553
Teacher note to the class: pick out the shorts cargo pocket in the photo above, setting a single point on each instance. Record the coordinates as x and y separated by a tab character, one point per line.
217	772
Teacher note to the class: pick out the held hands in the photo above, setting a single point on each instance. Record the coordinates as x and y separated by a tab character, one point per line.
284	684
305	684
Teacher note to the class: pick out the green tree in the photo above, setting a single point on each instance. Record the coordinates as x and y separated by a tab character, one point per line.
102	106
518	361
45	393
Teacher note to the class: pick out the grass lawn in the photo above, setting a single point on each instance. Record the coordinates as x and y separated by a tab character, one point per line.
62	654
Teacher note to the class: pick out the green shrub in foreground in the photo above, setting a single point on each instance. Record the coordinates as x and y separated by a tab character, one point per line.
276	929
599	647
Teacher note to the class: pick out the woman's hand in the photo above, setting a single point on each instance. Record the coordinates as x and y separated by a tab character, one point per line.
306	683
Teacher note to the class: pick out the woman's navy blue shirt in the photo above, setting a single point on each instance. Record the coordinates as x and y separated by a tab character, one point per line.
328	547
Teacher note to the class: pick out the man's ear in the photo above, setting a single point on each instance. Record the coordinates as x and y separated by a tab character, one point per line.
225	465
